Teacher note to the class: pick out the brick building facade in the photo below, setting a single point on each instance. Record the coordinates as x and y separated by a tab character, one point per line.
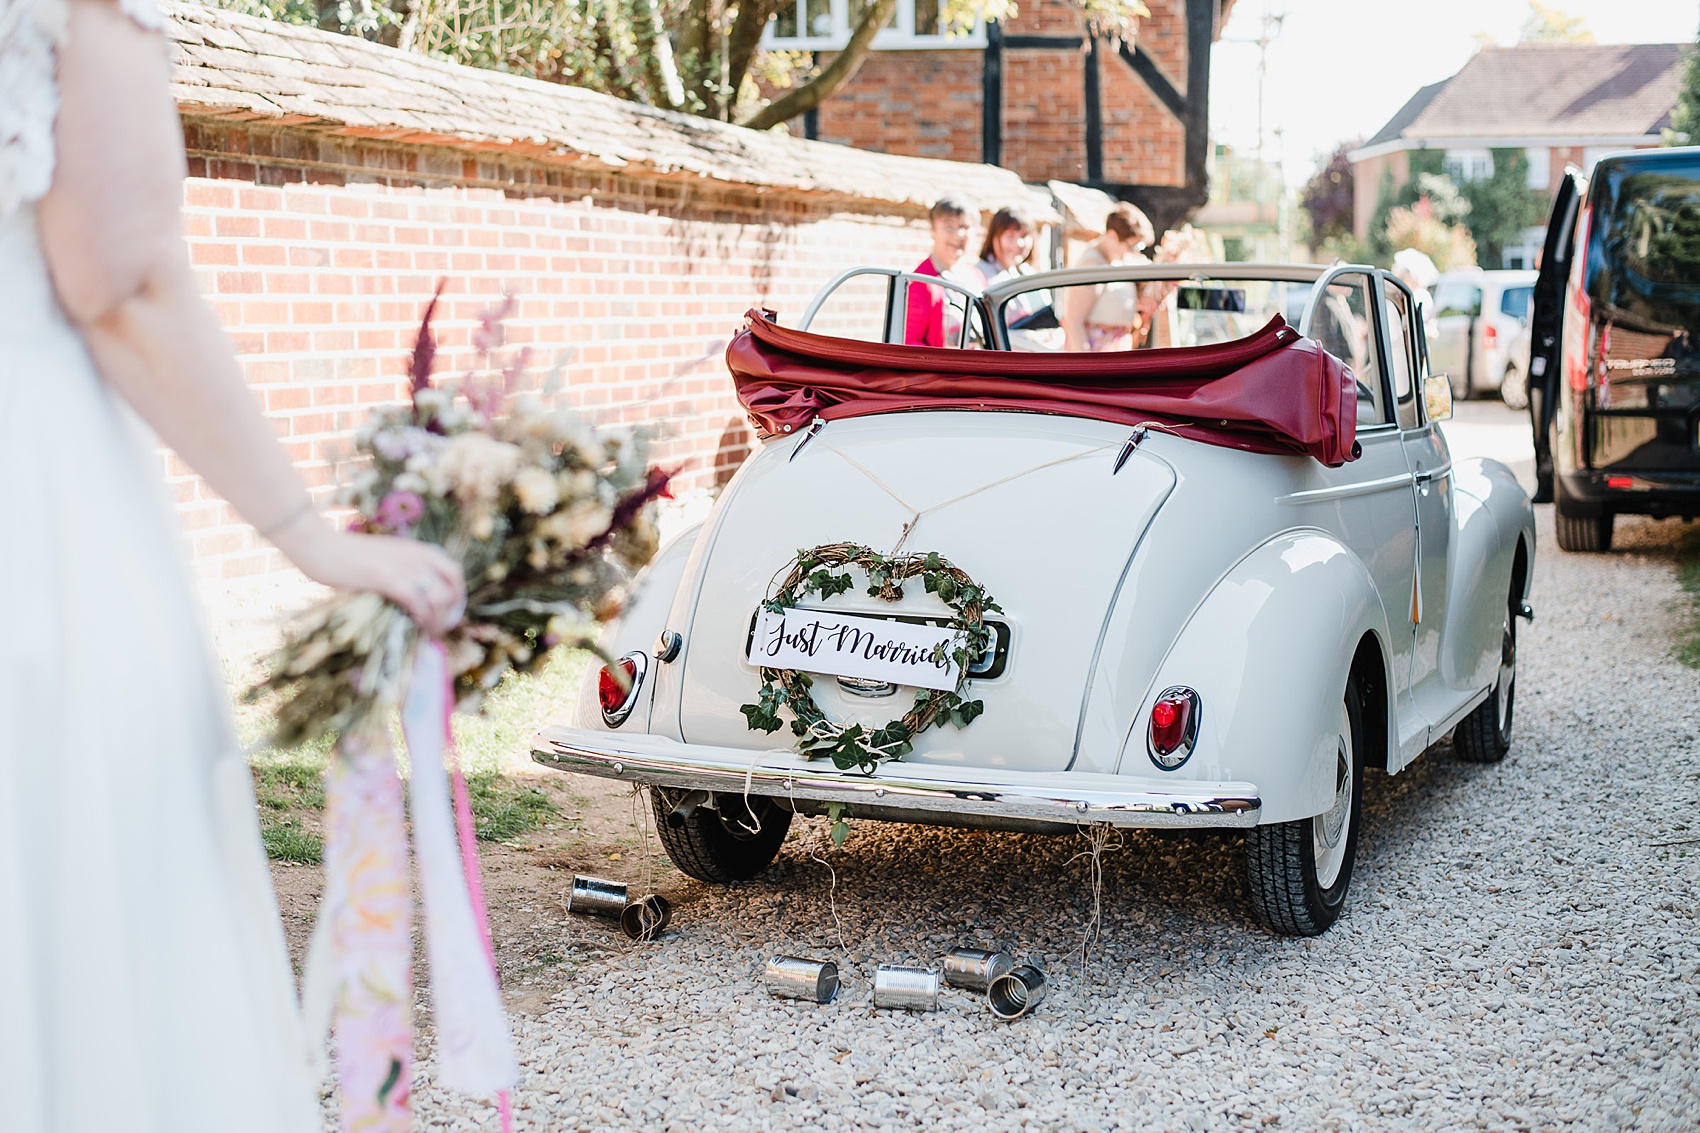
1042	97
333	183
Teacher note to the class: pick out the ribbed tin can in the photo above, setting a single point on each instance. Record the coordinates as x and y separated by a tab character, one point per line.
975	968
1016	993
794	977
645	918
597	895
908	989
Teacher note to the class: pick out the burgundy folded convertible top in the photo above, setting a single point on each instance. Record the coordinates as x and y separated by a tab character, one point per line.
1272	391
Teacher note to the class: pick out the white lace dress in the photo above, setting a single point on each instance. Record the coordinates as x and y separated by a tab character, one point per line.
144	986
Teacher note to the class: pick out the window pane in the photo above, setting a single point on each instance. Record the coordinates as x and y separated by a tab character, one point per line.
927	17
1457	297
785	22
1516	301
819	13
1401	358
855	309
1344	324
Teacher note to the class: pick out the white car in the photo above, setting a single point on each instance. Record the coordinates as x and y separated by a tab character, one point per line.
1198	621
1482	332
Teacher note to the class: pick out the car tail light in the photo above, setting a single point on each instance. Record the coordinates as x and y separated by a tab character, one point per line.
1490	336
617	687
1620	481
1174	727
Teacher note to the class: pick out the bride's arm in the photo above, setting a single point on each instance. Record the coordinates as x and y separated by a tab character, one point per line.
111	229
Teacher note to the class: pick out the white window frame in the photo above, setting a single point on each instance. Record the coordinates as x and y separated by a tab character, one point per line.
1469	164
1540	166
899	38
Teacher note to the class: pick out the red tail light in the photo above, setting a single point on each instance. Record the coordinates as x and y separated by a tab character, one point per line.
1174	727
617	687
1490	336
1620	481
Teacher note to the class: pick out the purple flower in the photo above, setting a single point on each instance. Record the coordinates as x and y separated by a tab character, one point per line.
399	511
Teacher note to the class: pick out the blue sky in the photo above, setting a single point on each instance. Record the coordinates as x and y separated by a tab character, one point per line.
1338	69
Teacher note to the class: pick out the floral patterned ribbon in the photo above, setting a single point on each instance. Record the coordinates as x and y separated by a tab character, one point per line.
359	971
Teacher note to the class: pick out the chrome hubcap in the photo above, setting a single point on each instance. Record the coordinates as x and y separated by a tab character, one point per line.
1329	829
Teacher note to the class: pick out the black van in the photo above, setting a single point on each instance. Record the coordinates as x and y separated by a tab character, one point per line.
1615	363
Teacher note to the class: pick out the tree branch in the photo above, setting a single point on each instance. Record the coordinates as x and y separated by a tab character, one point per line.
649	28
697	63
801	99
744	42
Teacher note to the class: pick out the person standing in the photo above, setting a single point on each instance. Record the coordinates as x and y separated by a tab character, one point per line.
144	983
933	319
1106	316
1006	254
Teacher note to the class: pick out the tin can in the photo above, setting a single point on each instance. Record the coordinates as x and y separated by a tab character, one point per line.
908	989
597	895
793	977
1017	992
644	919
975	968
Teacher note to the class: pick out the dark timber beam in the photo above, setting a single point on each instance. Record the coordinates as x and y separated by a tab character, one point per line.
991	97
1094	114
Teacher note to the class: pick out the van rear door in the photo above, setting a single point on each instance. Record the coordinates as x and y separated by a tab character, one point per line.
1548	320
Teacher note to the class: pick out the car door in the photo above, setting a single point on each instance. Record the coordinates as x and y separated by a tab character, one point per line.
1369	500
1547	319
873	305
1430	465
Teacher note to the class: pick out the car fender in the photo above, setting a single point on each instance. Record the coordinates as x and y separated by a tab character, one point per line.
1491	513
648	602
1268	651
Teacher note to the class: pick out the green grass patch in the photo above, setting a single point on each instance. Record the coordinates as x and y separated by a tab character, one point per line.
286	840
503	809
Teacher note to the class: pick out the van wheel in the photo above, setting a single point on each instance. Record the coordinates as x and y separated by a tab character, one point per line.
1484	736
733	843
1299	871
1587	533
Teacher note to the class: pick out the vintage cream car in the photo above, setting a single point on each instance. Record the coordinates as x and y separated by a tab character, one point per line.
1230	571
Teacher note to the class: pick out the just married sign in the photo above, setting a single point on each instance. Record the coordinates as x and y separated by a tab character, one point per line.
851	645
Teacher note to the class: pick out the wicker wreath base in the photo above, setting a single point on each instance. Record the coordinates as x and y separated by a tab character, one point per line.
817	571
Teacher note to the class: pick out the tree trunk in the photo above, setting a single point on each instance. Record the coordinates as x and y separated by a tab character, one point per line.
666	89
800	99
696	57
744	42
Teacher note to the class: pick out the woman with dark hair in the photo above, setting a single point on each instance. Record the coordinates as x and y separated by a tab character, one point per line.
1007	252
1105	316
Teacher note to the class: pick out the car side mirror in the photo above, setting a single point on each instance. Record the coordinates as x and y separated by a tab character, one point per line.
1437	396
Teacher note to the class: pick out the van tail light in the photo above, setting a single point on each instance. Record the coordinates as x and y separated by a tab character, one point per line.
1620	481
1573	348
618	685
1174	727
1490	336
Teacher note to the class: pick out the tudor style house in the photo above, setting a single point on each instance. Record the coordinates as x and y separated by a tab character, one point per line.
1561	103
1040	96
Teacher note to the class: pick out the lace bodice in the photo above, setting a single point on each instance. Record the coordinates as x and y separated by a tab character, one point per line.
30	33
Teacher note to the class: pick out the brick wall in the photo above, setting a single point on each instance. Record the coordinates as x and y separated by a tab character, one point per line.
319	254
920	103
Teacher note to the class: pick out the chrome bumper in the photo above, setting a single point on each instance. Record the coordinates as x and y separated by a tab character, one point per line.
1075	797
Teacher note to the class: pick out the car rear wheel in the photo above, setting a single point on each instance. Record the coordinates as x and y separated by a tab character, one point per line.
1514	389
1299	871
1484	736
1576	531
733	843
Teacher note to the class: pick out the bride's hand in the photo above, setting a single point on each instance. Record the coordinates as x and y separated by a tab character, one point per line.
418	577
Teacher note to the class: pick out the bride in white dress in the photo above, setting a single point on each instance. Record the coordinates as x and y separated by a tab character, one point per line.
144	985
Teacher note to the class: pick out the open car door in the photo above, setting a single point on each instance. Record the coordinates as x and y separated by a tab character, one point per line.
870	304
1547	322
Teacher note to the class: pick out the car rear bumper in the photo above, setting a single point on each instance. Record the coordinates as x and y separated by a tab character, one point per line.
1590	491
927	790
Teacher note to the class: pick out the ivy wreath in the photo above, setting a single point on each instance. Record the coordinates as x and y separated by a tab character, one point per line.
816	571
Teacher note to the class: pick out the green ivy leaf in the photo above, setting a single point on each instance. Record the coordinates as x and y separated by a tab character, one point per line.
840	832
760	718
965	714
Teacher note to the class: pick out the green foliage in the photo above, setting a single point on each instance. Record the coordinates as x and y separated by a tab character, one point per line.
1685	118
1688	574
286	840
1328	197
1547	23
1502	205
503	809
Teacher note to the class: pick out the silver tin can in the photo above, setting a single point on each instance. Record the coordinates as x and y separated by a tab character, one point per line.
908	989
644	919
975	968
597	895
1016	993
793	977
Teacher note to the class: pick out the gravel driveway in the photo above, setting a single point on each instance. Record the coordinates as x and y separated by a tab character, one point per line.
1520	949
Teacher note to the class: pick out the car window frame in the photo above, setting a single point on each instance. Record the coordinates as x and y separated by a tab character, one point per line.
1384	375
895	319
1416	354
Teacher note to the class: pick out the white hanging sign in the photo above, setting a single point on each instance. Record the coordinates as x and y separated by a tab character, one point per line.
853	645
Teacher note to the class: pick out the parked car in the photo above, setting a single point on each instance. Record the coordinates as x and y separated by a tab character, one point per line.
1229	575
1479	339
